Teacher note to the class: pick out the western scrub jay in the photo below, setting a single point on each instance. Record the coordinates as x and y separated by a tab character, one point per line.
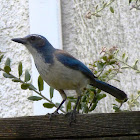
62	71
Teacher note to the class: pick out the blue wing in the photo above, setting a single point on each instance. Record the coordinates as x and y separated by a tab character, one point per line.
71	62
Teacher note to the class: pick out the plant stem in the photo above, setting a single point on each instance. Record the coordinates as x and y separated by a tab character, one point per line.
102	8
126	64
33	90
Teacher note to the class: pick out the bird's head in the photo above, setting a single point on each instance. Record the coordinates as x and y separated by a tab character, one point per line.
34	43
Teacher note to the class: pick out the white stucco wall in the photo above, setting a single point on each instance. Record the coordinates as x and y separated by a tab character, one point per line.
14	22
84	38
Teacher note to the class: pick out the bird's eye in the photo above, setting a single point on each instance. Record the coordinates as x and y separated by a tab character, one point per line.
32	38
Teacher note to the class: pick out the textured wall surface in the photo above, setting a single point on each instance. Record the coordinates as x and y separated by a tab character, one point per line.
84	38
14	22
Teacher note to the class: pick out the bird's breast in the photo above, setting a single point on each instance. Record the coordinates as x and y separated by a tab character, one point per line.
59	76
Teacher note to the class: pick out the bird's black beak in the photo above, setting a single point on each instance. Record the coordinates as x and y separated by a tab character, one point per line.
19	40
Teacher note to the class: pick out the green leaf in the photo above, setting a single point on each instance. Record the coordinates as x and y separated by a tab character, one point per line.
137	71
112	61
84	107
7	75
27	76
31	87
7	68
93	106
96	7
124	67
111	9
104	5
68	106
126	59
100	65
25	86
35	98
119	101
104	58
1	57
40	83
51	92
84	98
48	105
138	92
136	62
20	69
123	55
7	63
135	65
100	96
116	108
16	80
73	100
97	15
110	56
116	80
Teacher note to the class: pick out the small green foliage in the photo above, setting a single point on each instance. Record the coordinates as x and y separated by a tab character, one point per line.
7	68
25	86
124	67
96	7
84	107
7	75
48	105
16	80
7	63
123	56
104	5
27	76
111	9
35	98
100	65
93	105
1	57
31	87
100	96
135	65
97	15
20	69
68	106
116	108
72	99
40	83
51	92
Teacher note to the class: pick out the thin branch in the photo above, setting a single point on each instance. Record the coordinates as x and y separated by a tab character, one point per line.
102	8
33	90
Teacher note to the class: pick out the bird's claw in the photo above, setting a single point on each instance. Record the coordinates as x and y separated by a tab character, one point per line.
72	116
52	115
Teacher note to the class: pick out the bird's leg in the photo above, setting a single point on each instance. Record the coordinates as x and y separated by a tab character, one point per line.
56	111
72	117
64	99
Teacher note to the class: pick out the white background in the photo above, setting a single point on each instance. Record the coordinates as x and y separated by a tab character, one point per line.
45	19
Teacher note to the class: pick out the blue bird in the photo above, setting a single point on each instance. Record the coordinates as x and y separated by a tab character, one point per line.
62	71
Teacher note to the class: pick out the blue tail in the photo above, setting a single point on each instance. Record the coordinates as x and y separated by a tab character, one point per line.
119	94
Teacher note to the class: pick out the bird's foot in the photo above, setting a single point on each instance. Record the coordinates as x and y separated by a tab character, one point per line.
55	113
72	116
